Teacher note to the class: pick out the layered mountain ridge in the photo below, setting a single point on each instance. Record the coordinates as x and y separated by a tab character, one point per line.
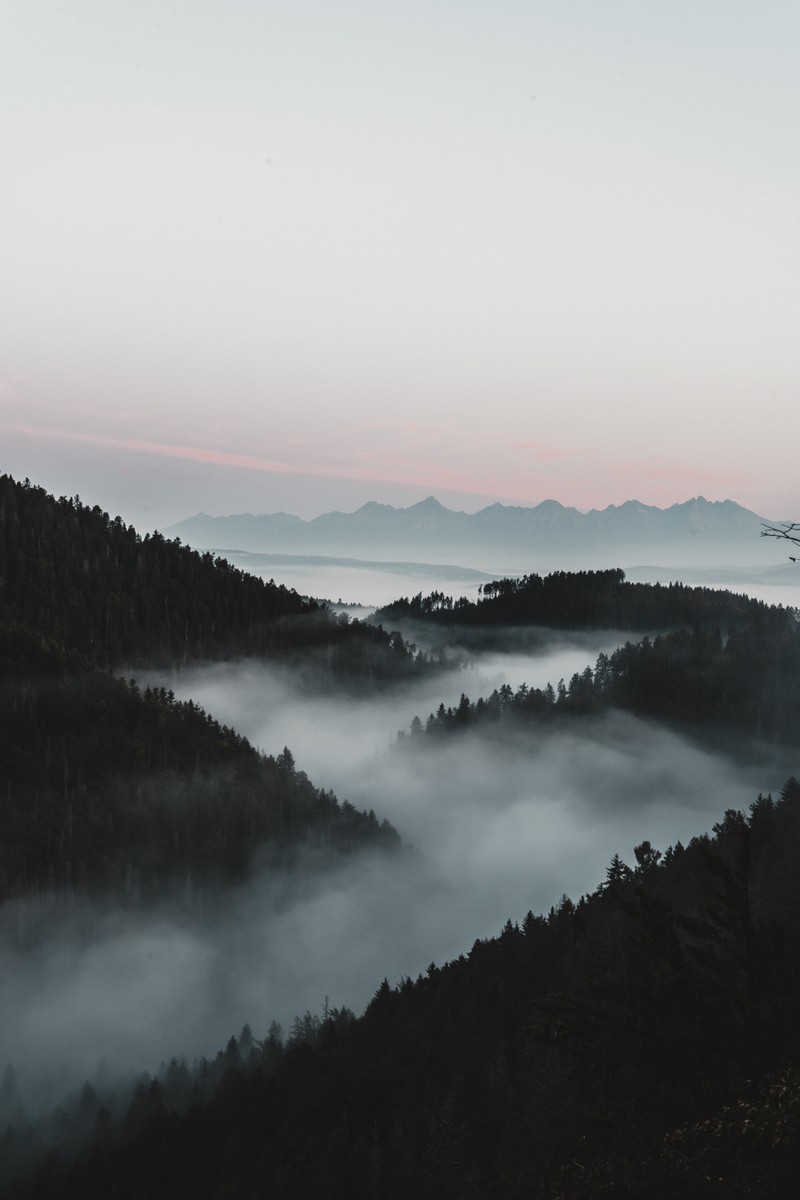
506	537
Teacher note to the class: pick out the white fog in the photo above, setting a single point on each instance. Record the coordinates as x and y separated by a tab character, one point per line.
497	829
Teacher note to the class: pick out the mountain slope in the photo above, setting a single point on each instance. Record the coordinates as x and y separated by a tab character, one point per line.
745	688
613	1048
121	600
108	791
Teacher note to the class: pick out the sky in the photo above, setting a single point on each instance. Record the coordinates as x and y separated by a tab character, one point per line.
262	256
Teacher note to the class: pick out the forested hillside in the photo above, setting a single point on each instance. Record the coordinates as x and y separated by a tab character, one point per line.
745	684
577	600
113	792
95	585
106	790
641	1041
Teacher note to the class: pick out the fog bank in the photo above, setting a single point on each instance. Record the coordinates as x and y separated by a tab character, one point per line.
500	827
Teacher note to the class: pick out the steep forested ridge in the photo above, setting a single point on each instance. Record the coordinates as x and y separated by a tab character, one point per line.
641	1042
111	791
108	790
94	585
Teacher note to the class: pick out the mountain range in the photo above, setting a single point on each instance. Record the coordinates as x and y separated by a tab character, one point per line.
503	537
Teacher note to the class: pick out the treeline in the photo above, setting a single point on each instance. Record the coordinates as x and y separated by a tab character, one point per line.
578	600
642	1041
109	791
94	585
748	683
105	1108
105	789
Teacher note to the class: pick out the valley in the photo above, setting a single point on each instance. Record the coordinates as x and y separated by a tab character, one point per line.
254	843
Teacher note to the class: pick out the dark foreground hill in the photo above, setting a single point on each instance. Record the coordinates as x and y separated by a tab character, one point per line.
94	585
114	793
107	791
640	1042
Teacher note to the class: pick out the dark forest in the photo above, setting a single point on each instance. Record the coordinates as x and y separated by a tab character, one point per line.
637	1040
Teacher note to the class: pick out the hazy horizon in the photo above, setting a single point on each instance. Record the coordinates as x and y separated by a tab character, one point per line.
149	493
303	256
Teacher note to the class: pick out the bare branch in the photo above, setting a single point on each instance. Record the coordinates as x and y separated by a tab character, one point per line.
788	530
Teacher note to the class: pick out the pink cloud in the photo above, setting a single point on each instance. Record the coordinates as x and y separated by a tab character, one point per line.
162	449
374	467
434	456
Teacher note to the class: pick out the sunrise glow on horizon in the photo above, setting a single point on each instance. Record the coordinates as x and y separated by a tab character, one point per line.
303	256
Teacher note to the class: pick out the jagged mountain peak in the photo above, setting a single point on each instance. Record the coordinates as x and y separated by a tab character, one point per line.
429	504
374	506
636	506
552	506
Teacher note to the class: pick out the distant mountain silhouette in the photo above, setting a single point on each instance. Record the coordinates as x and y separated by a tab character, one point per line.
503	537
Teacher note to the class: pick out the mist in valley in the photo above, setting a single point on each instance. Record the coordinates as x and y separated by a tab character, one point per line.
121	990
364	584
503	825
494	828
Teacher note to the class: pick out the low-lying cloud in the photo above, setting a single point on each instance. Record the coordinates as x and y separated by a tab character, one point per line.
498	827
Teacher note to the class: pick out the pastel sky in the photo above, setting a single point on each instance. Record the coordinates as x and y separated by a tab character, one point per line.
265	254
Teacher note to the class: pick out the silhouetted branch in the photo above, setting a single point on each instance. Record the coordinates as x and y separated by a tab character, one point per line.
788	530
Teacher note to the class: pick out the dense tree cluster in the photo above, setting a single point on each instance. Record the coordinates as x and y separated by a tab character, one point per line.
618	1046
96	586
578	600
106	789
750	683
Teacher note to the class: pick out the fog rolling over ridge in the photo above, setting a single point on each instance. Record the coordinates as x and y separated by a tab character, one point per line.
598	786
131	988
500	828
